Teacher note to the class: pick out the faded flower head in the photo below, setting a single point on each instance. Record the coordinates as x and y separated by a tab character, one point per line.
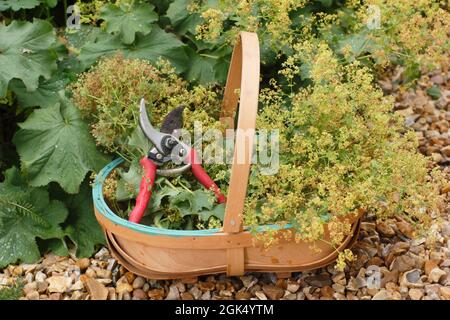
108	96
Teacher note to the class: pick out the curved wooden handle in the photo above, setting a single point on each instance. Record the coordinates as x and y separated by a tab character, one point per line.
243	87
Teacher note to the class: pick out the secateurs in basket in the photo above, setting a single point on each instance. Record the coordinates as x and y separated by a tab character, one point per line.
167	148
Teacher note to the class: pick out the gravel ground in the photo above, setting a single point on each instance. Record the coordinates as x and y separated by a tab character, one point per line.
389	264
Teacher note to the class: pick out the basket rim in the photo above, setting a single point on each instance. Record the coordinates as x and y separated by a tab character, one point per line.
102	207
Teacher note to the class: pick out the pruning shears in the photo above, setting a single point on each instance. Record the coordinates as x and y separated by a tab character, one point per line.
167	148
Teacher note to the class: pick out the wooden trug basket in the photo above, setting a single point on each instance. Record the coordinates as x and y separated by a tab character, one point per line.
168	254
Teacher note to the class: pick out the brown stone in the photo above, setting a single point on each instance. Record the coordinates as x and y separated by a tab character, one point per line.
437	157
405	228
124	287
375	261
96	290
206	286
446	151
437	79
58	284
260	295
112	294
430	265
83	264
33	295
319	280
186	296
446	188
42	286
385	229
156	294
436	274
403	263
139	294
90	273
55	296
138	283
29	287
130	277
221	285
411	279
382	295
273	292
415	294
388	276
444	293
327	292
292	287
102	273
243	295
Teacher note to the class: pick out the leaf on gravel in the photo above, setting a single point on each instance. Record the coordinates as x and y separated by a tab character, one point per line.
157	44
434	92
26	53
46	95
126	19
54	144
26	213
82	227
16	5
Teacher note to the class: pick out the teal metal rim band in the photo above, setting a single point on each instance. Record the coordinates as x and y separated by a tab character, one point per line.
103	209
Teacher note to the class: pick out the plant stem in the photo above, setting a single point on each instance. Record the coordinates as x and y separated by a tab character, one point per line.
170	184
209	56
65	7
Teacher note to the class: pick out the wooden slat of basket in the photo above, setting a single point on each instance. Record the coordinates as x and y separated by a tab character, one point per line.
179	266
243	76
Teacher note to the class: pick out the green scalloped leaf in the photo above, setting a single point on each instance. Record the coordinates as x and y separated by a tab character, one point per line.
181	18
157	44
46	95
55	144
16	5
27	52
126	20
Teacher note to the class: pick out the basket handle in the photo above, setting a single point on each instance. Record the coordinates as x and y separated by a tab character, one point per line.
243	75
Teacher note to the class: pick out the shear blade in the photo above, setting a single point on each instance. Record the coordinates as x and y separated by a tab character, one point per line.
173	120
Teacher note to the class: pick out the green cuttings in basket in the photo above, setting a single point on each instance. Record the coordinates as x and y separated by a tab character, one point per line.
108	97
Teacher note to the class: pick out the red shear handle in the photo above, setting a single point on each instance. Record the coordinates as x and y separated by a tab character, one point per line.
145	190
204	178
